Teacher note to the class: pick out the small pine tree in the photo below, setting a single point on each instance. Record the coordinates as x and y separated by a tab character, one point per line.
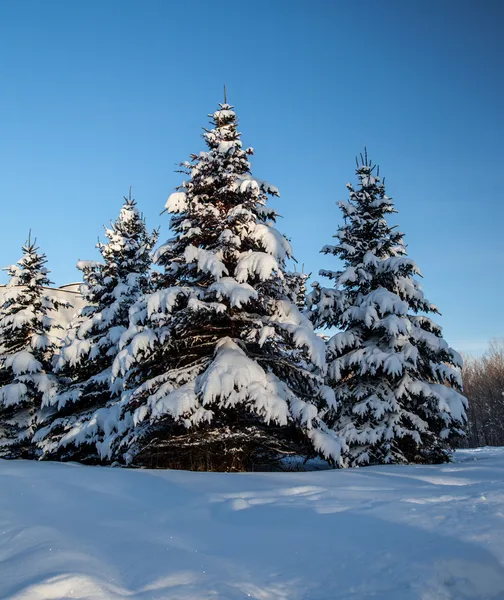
221	368
396	379
296	285
26	378
84	363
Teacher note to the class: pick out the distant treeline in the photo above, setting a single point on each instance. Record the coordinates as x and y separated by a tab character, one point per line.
484	388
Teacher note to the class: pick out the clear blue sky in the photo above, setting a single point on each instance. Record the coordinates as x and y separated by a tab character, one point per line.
100	95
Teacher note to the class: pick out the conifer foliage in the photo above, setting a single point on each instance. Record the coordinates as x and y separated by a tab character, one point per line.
221	369
84	362
296	285
396	379
26	351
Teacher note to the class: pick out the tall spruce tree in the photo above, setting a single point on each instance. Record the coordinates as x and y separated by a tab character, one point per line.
397	381
26	378
84	363
221	369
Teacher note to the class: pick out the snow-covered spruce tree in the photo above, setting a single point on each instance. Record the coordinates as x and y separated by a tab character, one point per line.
396	379
221	369
84	363
296	285
26	378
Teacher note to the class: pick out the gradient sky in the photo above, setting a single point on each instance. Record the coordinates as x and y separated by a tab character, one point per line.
103	94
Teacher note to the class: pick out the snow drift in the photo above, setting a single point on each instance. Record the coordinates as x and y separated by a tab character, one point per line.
386	533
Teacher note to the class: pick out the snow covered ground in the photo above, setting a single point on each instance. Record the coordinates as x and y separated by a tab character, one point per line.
381	533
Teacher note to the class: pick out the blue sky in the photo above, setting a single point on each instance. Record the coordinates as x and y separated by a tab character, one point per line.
104	94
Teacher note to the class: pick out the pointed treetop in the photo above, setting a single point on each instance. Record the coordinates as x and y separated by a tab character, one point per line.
128	200
225	94
366	171
365	163
29	242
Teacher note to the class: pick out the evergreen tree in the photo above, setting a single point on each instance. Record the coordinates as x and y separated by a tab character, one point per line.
221	369
84	363
26	378
296	285
396	379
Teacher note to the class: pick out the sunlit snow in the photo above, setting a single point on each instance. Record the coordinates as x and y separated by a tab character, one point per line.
376	533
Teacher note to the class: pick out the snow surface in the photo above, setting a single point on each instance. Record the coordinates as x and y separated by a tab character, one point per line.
381	533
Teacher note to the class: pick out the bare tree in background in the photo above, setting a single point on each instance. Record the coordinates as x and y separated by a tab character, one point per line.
484	388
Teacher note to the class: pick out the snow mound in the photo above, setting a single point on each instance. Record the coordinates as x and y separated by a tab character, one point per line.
381	533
